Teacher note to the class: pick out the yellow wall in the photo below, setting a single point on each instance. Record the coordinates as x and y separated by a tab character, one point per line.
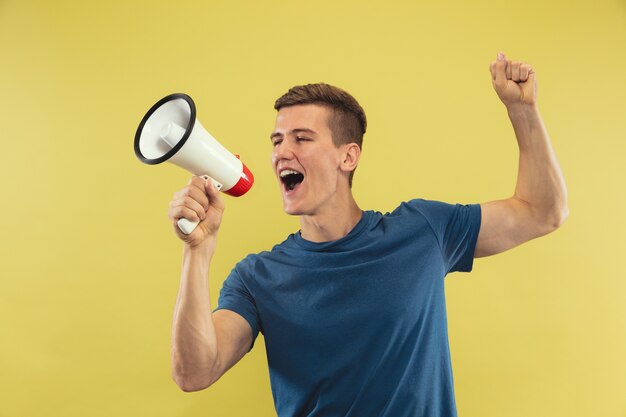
89	265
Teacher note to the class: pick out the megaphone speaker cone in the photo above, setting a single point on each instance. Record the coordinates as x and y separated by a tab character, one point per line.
149	145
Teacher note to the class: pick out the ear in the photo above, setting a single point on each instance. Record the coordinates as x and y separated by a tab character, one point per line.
351	155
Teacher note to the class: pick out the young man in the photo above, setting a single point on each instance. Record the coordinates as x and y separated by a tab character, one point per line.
352	306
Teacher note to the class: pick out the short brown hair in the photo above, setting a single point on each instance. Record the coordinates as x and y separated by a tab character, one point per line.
347	121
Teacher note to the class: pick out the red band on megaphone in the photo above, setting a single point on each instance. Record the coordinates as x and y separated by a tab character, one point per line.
243	185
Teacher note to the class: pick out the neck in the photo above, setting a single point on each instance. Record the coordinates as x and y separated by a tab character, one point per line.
331	224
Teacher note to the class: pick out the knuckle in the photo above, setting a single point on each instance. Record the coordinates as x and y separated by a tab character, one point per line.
182	211
188	201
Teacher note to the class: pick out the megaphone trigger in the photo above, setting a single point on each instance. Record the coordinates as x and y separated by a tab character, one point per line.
215	183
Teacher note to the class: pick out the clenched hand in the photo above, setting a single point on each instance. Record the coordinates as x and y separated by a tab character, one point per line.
514	81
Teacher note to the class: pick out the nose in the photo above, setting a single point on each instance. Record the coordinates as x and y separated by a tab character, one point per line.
282	151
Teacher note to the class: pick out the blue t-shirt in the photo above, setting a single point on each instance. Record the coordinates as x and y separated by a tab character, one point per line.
357	327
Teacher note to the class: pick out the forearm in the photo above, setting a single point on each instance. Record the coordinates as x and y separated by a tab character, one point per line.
540	182
194	343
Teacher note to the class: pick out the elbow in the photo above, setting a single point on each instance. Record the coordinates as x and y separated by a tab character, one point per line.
564	215
193	378
561	216
191	384
192	375
562	211
557	219
185	384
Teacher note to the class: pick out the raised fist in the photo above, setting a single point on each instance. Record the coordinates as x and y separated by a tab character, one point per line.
514	81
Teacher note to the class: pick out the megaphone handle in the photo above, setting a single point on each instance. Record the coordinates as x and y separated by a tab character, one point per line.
187	226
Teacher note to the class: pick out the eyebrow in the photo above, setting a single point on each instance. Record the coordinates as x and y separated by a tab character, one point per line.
293	132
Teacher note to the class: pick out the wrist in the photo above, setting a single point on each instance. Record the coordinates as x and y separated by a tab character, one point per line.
522	110
205	247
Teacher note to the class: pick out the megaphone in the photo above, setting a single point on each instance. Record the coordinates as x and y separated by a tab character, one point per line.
170	132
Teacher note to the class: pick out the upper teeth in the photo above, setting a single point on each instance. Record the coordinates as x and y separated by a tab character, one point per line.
286	172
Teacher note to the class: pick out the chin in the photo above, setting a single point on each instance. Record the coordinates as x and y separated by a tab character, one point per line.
294	209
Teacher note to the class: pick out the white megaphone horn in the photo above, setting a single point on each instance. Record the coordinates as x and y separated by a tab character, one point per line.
170	132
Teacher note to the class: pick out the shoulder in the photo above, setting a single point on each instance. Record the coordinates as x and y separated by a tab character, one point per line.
440	216
421	204
431	208
410	218
419	207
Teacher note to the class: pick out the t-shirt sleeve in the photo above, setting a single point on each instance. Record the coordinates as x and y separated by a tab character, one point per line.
456	227
234	296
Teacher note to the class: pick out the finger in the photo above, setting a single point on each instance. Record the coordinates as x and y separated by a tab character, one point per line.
195	206
200	196
191	203
515	71
509	70
213	194
500	71
194	192
191	198
492	70
176	213
524	71
197	182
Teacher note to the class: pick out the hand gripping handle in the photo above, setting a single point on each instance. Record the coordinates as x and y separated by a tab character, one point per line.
187	226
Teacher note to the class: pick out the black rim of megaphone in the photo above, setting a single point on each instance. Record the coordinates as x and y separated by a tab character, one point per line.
181	142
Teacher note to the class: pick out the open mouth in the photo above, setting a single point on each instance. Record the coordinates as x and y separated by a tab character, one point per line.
291	178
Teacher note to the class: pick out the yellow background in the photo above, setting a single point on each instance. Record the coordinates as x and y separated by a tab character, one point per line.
90	267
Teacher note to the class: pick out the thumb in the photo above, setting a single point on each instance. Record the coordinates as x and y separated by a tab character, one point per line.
501	64
215	199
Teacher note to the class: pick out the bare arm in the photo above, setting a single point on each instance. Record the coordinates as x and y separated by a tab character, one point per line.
204	345
539	203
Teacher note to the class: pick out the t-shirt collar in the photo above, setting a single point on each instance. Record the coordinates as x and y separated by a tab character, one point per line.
344	242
